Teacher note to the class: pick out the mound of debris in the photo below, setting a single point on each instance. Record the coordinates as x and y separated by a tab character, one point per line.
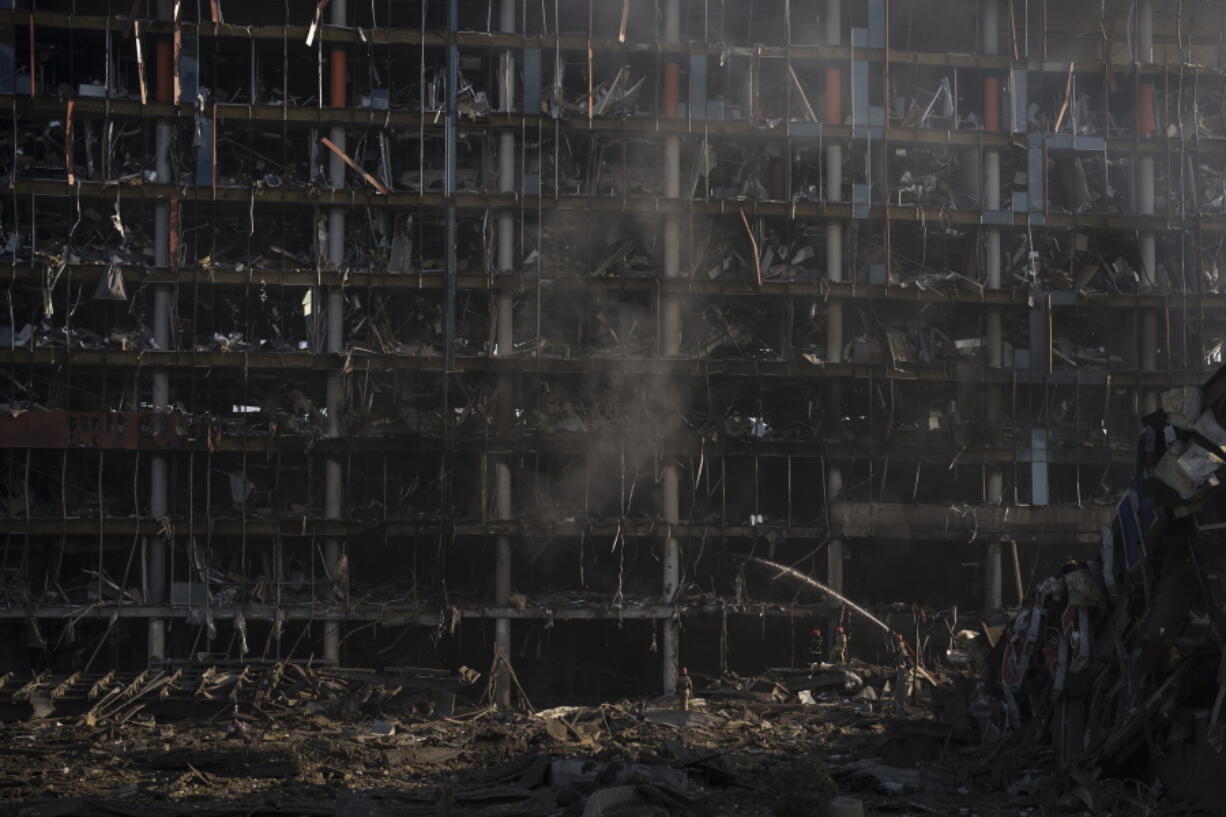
329	742
1114	670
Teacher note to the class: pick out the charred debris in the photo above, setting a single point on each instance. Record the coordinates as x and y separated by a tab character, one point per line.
1115	667
522	336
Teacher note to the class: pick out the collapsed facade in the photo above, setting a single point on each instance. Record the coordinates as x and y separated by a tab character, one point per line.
502	334
1114	668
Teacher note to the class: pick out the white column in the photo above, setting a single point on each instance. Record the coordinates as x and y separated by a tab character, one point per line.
993	598
994	489
834	309
504	347
1145	31
159	472
335	315
1145	207
834	22
1149	357
670	346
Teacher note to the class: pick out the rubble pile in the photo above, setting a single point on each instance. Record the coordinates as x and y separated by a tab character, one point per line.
302	740
286	738
1115	669
291	739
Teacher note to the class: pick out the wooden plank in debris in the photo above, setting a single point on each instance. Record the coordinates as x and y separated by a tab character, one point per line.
171	683
69	165
371	180
804	98
65	686
136	684
1068	94
213	151
101	684
315	21
140	64
753	241
178	52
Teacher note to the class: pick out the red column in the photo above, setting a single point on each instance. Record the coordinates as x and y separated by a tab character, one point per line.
1145	109
672	88
834	96
991	104
165	73
340	73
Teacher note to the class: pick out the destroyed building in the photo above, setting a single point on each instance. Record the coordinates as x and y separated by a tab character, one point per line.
1113	669
503	334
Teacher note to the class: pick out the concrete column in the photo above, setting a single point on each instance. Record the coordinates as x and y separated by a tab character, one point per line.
1145	31
834	550
834	169
670	346
834	22
504	346
159	472
1145	207
335	315
834	273
1144	53
1149	357
1146	124
670	646
671	319
993	598
1149	342
834	105
990	28
994	489
1145	127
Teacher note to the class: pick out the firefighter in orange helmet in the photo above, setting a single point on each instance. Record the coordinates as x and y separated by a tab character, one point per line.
817	649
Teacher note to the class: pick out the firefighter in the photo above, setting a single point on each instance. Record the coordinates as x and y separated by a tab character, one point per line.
839	656
902	674
817	649
685	688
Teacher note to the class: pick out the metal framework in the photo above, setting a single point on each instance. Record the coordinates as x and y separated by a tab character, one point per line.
408	315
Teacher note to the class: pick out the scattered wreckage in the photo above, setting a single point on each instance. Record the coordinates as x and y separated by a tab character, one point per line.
1115	668
263	737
